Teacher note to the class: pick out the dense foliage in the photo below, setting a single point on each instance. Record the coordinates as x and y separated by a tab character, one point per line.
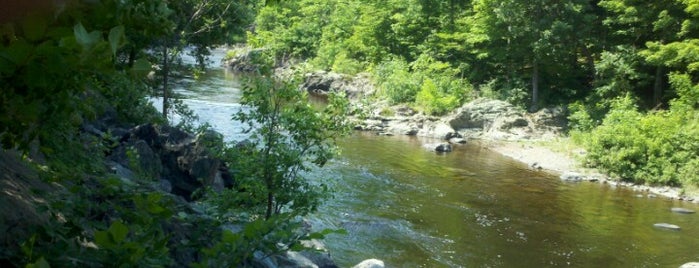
590	56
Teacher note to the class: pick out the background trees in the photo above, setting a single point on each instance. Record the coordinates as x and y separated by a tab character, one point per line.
589	56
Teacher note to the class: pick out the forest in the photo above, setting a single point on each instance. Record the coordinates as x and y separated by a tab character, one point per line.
625	70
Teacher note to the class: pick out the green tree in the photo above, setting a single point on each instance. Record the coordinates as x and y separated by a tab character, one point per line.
542	38
654	23
288	134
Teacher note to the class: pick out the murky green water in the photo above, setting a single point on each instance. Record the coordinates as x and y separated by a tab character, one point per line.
472	207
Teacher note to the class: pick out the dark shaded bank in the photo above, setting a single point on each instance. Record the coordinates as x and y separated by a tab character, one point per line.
153	174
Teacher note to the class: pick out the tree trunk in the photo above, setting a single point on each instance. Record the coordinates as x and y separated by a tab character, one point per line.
132	56
658	86
590	60
270	205
166	74
535	87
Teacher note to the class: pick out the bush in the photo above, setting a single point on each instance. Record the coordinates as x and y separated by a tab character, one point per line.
655	148
434	102
396	82
500	89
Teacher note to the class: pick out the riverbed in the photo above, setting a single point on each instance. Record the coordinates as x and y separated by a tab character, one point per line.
469	208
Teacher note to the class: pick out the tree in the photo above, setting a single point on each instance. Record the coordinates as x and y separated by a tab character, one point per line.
541	37
636	23
288	135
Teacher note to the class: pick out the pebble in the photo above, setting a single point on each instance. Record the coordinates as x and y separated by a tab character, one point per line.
667	226
682	210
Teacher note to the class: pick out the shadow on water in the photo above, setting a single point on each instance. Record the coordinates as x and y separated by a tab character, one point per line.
469	208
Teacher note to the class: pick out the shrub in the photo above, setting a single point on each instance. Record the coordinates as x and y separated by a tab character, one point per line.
396	82
656	148
433	101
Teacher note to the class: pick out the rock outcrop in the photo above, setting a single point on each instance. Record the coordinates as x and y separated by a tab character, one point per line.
479	119
322	83
244	60
182	162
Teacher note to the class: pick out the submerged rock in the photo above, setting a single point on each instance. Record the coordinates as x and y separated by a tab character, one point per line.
667	226
438	147
690	265
682	210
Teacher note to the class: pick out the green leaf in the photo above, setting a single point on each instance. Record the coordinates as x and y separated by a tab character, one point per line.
18	52
34	27
85	39
40	263
116	35
118	231
102	239
141	67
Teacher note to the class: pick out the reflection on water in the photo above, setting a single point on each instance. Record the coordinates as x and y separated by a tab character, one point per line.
469	208
474	208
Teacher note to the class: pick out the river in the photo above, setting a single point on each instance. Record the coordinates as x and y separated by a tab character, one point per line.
468	208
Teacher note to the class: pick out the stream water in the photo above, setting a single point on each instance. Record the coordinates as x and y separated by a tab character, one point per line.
468	208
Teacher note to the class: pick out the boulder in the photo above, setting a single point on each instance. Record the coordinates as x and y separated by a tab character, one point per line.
552	117
322	82
404	127
244	60
370	263
438	147
317	254
480	113
438	130
164	152
148	163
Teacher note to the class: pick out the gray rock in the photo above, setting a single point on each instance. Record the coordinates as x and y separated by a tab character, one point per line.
682	210
690	265
125	174
457	141
296	260
438	147
403	128
165	186
667	226
322	82
404	110
147	160
479	113
244	60
571	176
317	253
552	117
260	259
370	263
437	130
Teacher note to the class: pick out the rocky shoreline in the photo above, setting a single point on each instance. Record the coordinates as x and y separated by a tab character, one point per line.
498	125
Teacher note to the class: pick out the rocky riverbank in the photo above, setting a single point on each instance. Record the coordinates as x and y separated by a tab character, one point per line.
496	124
159	161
